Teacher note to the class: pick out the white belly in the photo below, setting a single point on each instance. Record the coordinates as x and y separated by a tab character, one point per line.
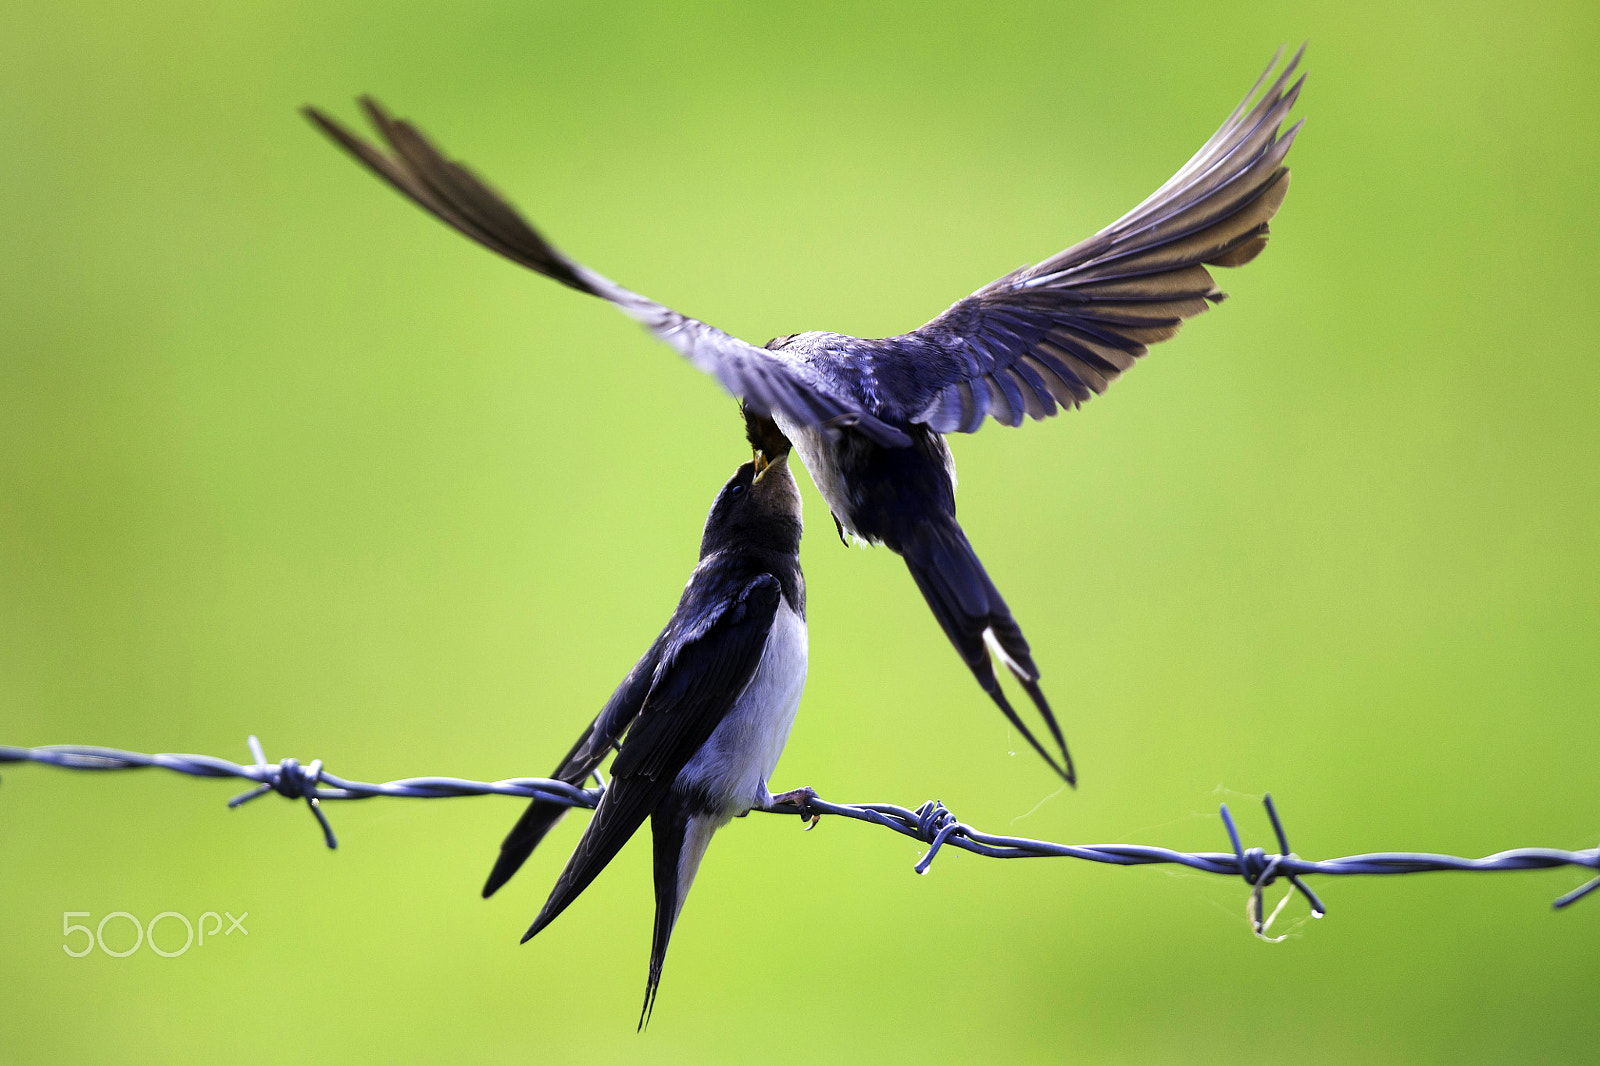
816	450
733	766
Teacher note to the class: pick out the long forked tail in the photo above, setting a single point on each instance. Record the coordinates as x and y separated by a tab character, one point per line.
976	619
681	836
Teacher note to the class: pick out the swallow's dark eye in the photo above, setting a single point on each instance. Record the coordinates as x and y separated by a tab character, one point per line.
735	491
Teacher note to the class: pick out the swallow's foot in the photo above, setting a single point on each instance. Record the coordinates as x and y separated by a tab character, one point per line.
800	800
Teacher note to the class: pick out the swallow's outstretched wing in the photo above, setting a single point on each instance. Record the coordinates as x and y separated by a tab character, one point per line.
765	380
710	652
598	741
1057	333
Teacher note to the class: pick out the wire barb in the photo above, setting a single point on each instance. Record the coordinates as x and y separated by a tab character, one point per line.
1576	894
935	824
291	781
932	824
1259	870
288	778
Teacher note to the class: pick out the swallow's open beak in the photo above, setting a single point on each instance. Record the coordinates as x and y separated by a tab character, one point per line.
761	463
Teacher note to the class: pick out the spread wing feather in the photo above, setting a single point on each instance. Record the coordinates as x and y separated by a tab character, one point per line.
1042	338
448	190
1055	334
598	741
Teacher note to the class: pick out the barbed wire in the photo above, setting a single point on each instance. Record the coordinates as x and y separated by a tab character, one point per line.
932	823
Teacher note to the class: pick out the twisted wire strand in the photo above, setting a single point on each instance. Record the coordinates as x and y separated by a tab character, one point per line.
932	823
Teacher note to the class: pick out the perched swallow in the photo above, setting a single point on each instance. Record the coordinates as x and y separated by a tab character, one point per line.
868	417
706	711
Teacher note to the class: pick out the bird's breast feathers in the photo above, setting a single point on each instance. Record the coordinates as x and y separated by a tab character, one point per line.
835	459
818	450
732	768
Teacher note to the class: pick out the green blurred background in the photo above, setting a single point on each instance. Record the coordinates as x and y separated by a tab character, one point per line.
278	454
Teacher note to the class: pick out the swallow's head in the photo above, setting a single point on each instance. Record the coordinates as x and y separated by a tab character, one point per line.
766	439
759	507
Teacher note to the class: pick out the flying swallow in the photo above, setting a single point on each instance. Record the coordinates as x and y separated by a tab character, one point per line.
706	711
868	416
